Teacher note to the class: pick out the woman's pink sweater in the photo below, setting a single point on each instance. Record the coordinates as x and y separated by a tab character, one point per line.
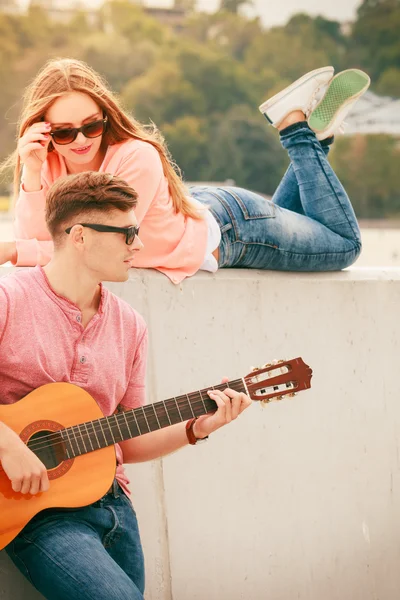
173	244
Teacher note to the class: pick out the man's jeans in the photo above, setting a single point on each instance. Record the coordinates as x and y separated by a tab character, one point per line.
310	224
91	553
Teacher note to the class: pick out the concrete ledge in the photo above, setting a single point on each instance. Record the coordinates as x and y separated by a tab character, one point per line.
297	500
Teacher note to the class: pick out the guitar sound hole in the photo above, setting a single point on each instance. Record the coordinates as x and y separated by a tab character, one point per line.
50	450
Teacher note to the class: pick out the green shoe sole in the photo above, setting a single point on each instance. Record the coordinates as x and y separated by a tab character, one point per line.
344	87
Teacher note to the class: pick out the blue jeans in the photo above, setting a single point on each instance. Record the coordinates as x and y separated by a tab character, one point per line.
309	225
90	553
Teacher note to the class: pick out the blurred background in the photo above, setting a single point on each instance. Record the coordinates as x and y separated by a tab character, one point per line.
199	70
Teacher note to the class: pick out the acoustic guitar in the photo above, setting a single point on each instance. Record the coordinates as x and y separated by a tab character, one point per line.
63	425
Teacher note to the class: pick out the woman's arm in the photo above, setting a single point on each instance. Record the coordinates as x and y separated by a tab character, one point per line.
142	169
29	219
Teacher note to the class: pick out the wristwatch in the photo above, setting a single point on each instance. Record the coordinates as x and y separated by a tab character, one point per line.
192	439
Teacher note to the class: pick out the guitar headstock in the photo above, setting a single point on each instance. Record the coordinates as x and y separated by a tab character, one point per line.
276	380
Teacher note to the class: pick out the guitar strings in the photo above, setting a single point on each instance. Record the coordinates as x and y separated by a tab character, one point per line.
126	417
178	402
121	419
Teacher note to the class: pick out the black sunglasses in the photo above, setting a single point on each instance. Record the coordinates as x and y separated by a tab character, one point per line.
129	232
69	135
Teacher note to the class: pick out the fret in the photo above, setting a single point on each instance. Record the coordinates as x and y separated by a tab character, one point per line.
155	414
82	438
102	431
127	424
90	439
190	406
119	429
166	411
151	417
110	429
76	439
145	418
136	421
95	434
246	391
202	399
65	439
66	432
177	406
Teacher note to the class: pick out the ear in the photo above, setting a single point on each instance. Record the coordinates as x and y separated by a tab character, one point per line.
77	236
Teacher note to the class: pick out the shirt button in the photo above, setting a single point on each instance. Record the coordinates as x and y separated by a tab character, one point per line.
82	359
78	318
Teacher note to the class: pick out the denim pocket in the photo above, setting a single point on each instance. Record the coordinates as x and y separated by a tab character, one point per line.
252	206
13	553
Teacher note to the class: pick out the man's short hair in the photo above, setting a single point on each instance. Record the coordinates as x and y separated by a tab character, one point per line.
85	194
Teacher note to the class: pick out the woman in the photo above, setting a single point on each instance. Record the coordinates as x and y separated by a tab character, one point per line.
71	123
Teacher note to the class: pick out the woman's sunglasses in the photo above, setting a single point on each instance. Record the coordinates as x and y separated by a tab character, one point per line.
90	130
129	232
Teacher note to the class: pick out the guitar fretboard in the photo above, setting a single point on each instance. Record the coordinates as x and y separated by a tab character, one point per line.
100	433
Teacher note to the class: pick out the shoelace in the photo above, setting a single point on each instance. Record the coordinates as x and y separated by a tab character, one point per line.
315	99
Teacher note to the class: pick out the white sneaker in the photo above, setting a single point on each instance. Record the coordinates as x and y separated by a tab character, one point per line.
342	93
297	96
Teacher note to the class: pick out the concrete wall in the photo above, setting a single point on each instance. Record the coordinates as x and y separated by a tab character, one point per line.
381	241
297	500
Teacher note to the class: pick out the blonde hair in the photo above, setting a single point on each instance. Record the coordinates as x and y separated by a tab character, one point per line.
60	76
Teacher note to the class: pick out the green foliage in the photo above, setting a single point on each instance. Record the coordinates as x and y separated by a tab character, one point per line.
226	32
302	45
131	22
163	95
246	149
369	171
202	82
375	37
187	140
389	82
233	6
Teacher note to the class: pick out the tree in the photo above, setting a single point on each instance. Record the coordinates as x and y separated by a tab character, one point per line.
302	45
163	94
233	6
187	139
375	40
368	168
389	83
242	147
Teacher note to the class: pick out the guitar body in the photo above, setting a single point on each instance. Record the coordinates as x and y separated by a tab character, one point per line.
73	482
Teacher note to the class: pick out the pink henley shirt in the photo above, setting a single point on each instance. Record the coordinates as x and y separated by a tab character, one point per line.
42	341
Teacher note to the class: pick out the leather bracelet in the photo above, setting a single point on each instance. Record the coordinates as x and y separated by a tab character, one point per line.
192	439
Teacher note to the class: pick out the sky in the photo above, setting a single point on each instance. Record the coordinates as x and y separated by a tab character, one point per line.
272	12
277	12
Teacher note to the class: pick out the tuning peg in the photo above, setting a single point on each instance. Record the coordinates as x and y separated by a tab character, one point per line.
292	395
254	368
267	365
272	399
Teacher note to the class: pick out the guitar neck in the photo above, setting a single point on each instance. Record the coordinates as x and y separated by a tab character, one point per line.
93	435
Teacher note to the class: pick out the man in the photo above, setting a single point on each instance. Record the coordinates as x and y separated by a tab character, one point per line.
60	324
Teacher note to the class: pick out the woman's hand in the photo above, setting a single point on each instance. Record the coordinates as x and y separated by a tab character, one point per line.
8	252
230	405
32	146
